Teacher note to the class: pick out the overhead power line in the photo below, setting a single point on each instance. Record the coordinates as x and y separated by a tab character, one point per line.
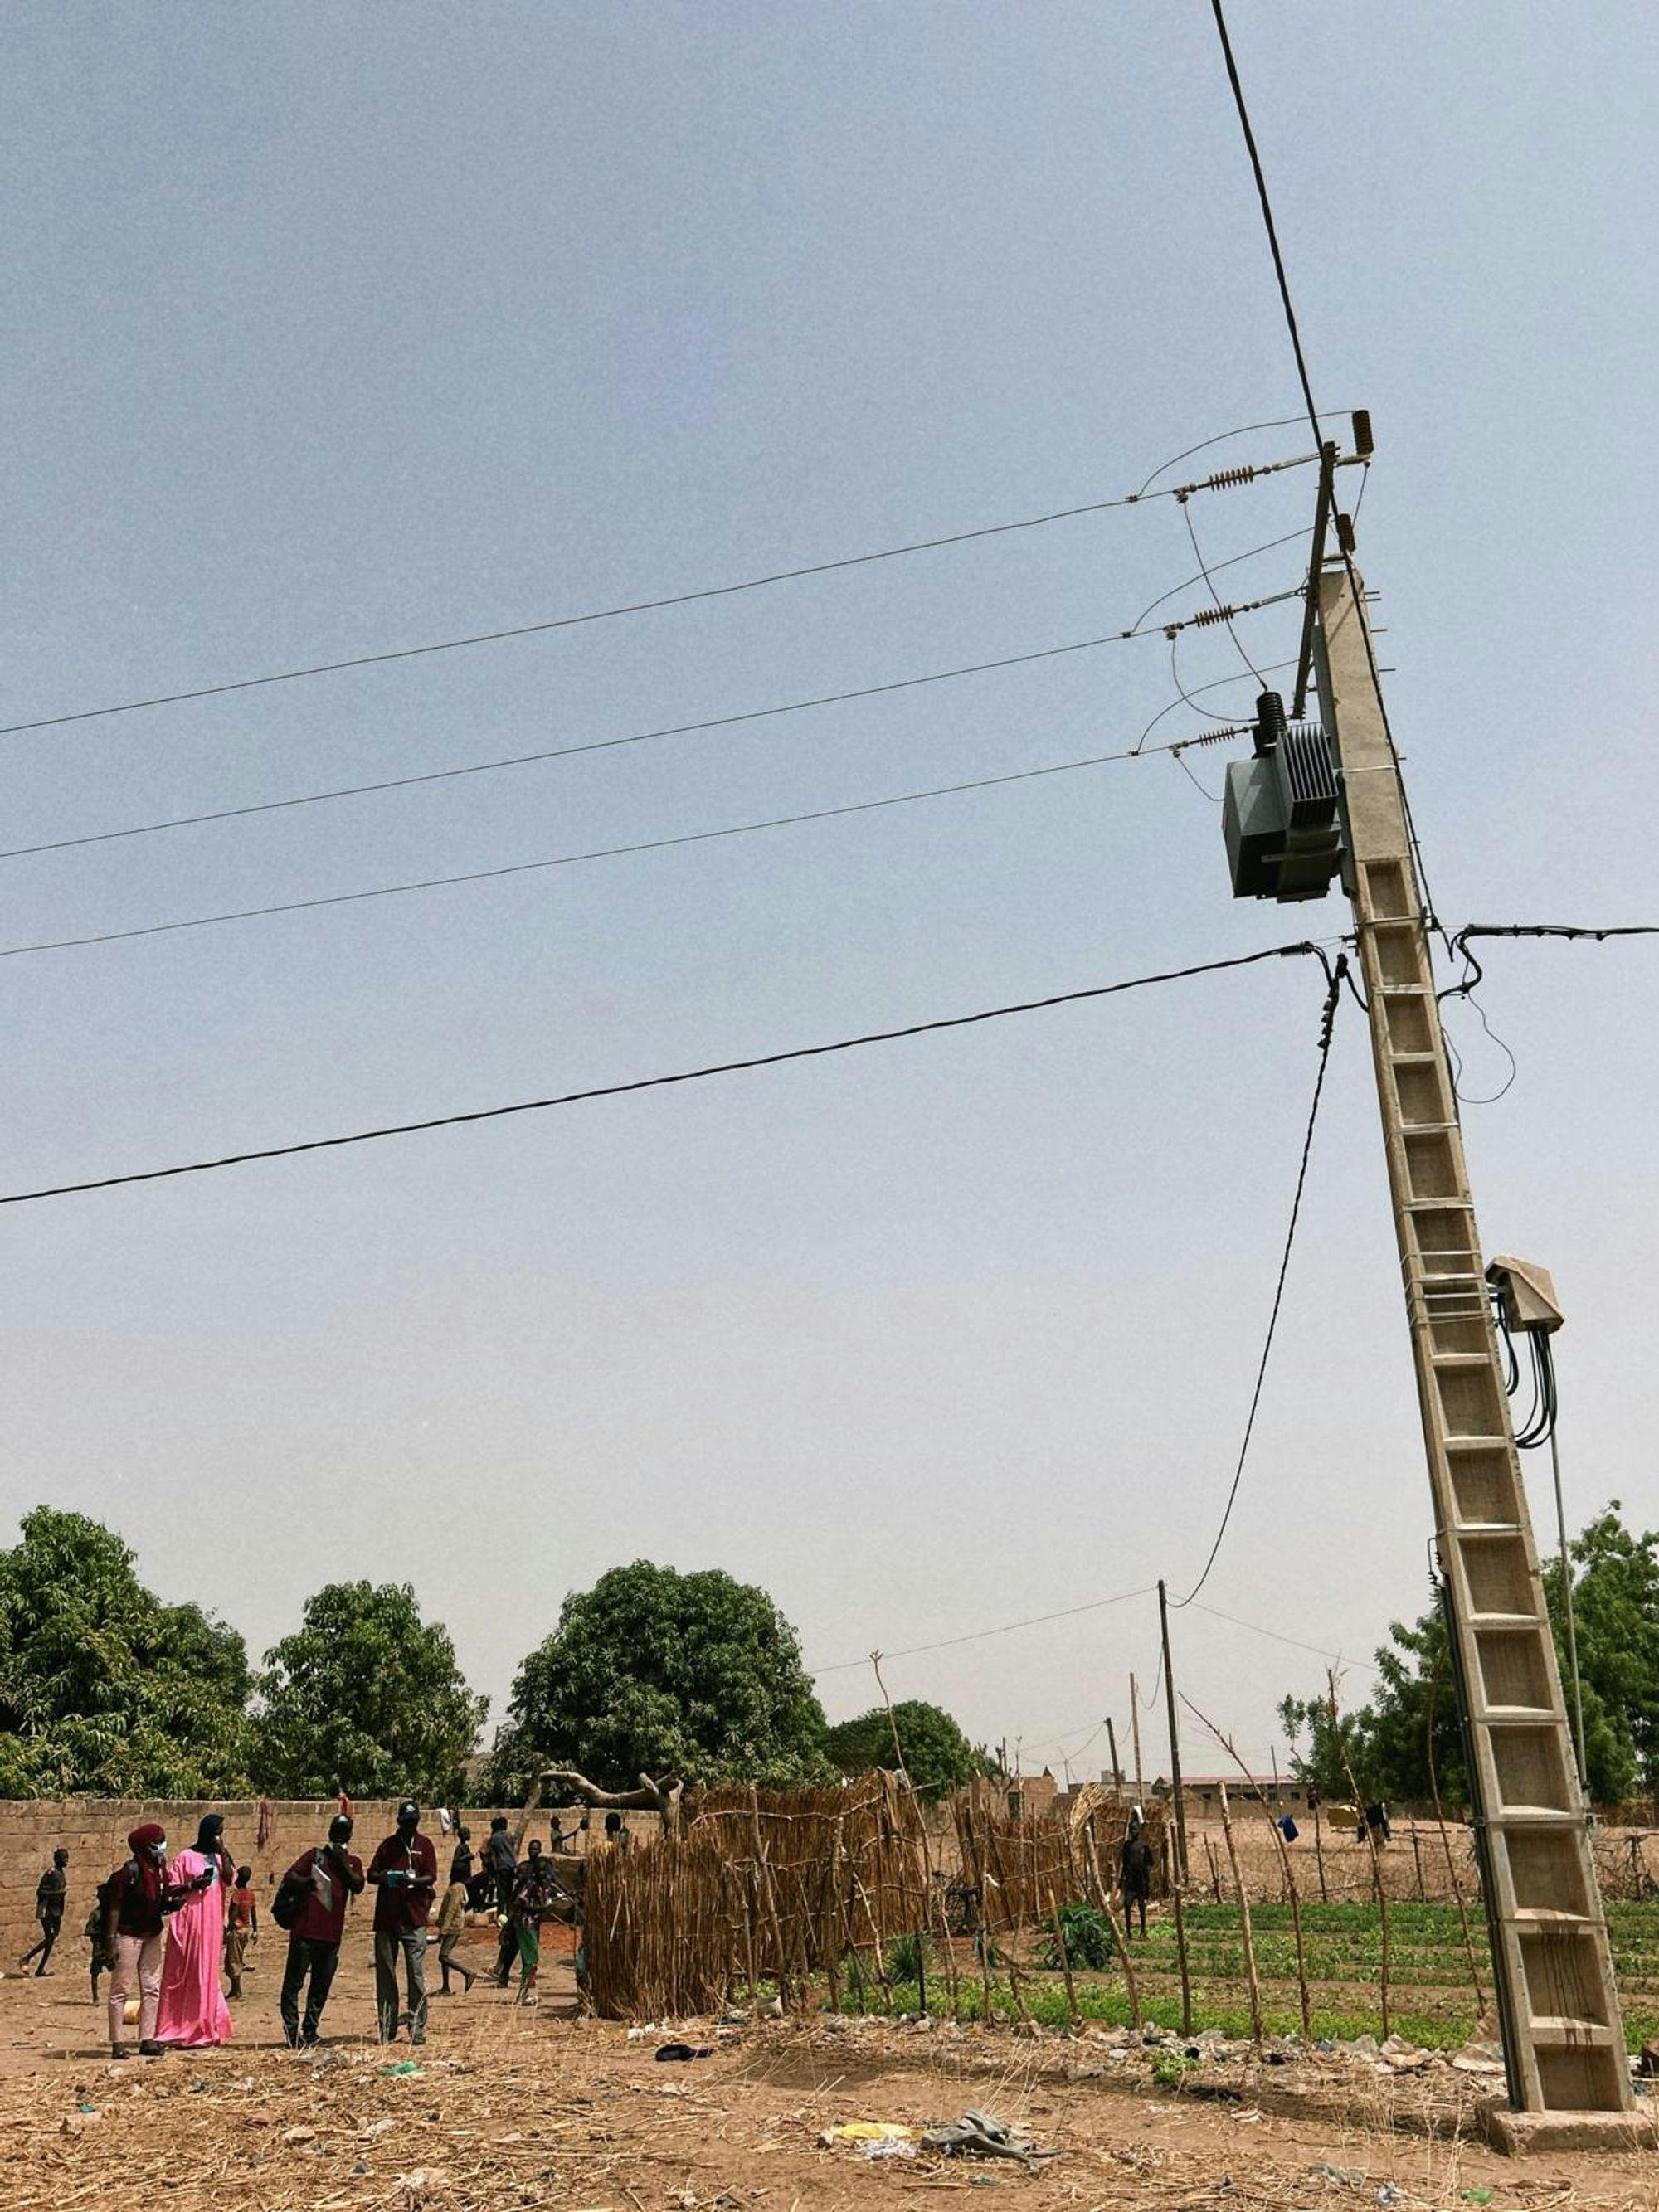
1327	1019
664	1082
1274	1636
633	737
1290	324
1004	1628
1223	480
570	859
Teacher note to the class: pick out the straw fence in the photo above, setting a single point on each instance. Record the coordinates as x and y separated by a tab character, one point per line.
765	1886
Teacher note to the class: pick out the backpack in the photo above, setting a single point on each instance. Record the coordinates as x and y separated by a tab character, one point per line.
290	1901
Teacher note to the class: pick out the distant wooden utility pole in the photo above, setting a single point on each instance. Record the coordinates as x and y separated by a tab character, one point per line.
1563	2042
1174	1740
1134	1724
1111	1746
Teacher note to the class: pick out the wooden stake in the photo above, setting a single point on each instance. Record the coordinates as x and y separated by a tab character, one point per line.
1251	1983
1181	1953
1215	1868
764	1872
1059	1927
1319	1849
1104	1895
1289	1872
1451	1865
1377	1861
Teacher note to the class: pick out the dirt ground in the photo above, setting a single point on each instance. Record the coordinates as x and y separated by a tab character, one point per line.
515	2107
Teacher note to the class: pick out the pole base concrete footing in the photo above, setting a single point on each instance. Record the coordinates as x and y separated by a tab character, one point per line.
1530	2134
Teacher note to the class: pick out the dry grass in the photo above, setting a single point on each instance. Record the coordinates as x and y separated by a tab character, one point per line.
519	2109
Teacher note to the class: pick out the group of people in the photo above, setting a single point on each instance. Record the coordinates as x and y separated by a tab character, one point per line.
180	1926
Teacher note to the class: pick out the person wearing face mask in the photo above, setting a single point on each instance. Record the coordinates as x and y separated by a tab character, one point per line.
193	2014
404	1870
137	1896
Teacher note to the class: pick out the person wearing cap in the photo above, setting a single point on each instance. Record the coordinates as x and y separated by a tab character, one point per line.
405	1871
329	1875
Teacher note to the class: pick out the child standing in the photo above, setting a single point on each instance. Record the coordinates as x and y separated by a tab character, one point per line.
93	1931
241	1926
452	1926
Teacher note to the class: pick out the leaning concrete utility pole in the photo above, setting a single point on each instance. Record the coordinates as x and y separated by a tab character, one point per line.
1564	2043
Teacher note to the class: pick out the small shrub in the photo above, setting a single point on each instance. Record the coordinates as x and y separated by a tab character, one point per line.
1087	1935
907	1958
1169	2069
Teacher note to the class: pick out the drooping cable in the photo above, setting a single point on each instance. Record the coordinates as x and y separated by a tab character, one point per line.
979	1635
1328	1021
664	1082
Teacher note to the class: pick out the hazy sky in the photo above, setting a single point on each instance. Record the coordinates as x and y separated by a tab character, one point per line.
335	330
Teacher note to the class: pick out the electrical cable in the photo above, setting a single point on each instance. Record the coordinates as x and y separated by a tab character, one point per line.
648	606
600	744
1146	1704
1328	1021
1295	1642
1269	545
1180	759
1273	668
1490	1097
665	1082
576	859
1198	554
1475	974
979	1635
1291	325
1224	437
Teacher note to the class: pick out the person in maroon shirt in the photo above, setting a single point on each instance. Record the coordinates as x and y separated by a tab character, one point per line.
331	1875
137	1898
404	1869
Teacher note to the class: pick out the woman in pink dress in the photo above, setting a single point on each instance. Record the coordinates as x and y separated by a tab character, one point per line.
193	2010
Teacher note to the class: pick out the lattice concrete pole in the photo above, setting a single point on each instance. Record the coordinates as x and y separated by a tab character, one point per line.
1564	2043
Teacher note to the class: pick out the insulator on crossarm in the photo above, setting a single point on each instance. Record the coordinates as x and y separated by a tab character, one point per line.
1224	479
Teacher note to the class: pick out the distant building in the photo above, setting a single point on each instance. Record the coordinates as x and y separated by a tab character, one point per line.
1259	1789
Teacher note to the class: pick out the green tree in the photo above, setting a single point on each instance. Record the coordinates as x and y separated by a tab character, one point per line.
938	1757
1616	1603
365	1697
1616	1611
103	1691
656	1671
1318	1744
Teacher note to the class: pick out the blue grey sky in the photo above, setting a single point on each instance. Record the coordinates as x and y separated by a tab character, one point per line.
335	330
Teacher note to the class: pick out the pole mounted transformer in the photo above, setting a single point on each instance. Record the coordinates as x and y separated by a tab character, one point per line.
1281	814
1312	803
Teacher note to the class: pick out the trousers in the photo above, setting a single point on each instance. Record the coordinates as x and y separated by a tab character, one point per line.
318	1961
140	1955
388	1942
50	1930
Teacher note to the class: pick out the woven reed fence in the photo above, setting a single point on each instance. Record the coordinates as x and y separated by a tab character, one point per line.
789	1887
